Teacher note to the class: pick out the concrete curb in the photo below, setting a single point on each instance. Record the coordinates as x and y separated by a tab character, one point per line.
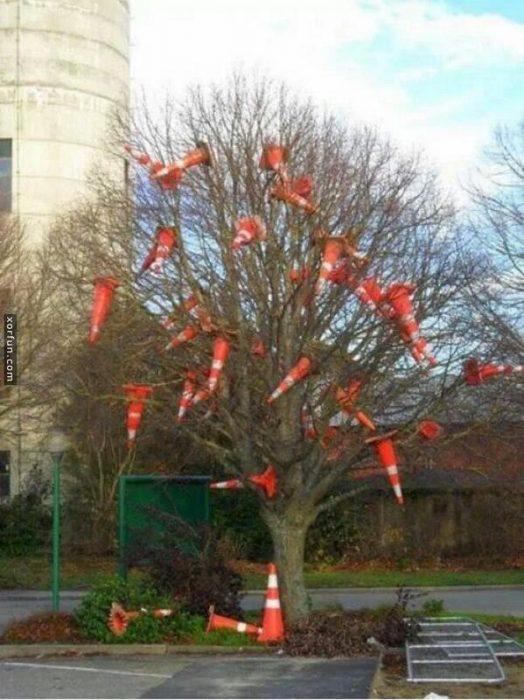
8	651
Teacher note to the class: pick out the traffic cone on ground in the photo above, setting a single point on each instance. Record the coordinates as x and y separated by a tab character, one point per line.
274	158
296	193
102	299
201	155
217	622
184	336
296	374
385	449
221	350
119	619
272	623
248	229
333	251
187	394
429	430
268	481
136	394
229	484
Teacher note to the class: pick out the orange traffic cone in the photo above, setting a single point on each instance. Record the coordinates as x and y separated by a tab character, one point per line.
308	424
398	296
297	276
167	181
187	394
296	193
117	620
166	241
102	299
248	229
201	155
296	374
272	623
217	622
386	453
274	158
221	350
229	484
268	481
184	336
258	349
368	292
429	430
475	373
333	251
346	399
136	394
187	305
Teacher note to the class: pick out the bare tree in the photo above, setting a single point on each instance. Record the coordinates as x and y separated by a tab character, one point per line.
367	193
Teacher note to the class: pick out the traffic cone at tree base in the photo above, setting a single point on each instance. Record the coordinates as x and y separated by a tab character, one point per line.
272	622
385	449
136	394
102	300
296	374
217	622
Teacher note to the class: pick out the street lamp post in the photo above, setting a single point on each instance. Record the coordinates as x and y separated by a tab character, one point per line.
57	445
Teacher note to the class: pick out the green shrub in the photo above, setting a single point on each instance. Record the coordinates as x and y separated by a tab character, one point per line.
433	607
133	594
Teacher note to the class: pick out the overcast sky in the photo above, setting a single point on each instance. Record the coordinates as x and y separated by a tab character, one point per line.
434	74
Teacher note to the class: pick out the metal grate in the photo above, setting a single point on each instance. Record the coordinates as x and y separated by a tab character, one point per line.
451	650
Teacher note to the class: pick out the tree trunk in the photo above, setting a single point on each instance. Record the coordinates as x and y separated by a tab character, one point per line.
288	532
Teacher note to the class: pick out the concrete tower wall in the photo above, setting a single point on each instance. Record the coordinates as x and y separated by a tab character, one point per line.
64	68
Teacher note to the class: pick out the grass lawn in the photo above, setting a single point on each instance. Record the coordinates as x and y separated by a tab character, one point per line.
80	571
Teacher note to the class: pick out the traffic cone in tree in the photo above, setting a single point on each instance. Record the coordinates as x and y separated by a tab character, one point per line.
248	229
187	394
201	155
184	336
420	350
296	193
429	430
221	350
229	484
367	291
102	299
167	181
187	305
346	399
385	449
475	373
398	296
274	157
333	251
308	425
258	349
268	481
136	394
217	622
297	276
358	259
272	623
296	374
166	241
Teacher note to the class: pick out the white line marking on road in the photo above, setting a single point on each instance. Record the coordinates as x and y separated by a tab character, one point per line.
90	669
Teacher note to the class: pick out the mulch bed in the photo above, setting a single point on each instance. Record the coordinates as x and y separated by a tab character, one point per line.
45	628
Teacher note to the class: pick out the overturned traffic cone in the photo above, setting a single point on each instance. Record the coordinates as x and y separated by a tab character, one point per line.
296	193
420	350
187	394
346	399
296	374
272	623
429	430
184	336
268	481
166	241
386	453
274	158
398	296
308	423
217	622
229	484
221	350
136	394
368	292
248	229
119	618
102	299
167	181
201	155
475	373
333	251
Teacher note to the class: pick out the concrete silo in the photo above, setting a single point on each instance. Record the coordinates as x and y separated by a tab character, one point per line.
64	67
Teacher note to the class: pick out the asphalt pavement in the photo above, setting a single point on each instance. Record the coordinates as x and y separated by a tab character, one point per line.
500	600
187	677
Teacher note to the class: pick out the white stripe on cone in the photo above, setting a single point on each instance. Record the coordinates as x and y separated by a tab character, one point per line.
273	604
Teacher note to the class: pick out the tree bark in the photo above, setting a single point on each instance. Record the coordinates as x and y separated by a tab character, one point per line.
288	532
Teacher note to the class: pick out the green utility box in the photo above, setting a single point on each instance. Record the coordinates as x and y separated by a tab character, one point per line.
184	496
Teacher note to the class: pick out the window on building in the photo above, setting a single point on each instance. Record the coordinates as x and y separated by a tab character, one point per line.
5	488
6	174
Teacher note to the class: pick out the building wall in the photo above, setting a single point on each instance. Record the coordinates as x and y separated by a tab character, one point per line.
64	71
64	68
